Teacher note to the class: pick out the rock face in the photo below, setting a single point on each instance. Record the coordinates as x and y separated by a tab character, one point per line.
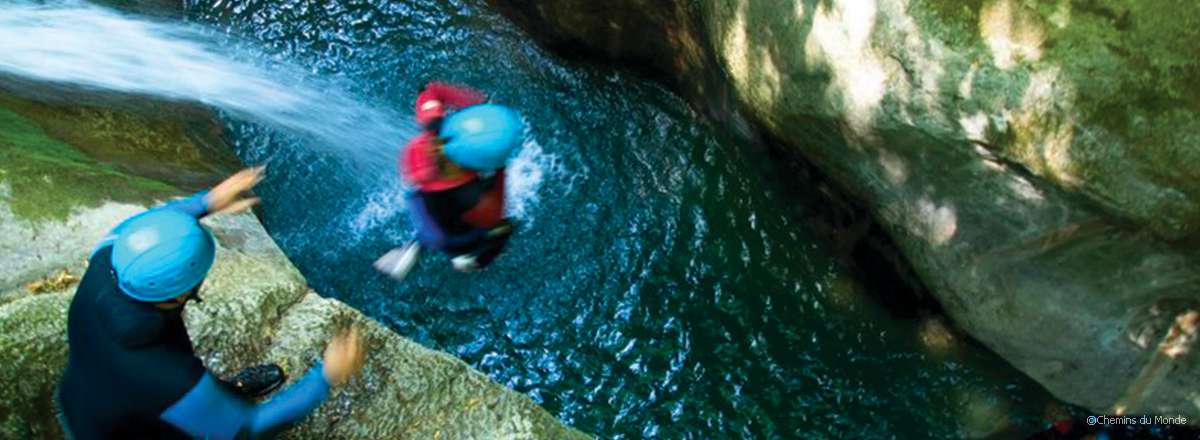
257	309
1033	161
57	200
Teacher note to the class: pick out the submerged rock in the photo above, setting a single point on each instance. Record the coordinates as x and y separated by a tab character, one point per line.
1033	161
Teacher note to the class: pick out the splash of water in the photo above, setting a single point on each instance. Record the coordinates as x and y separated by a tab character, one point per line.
85	45
72	42
524	175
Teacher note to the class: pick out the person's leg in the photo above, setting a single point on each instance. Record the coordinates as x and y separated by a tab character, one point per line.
445	208
492	249
484	251
398	262
429	233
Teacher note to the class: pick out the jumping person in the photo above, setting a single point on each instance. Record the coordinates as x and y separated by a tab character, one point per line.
455	209
132	371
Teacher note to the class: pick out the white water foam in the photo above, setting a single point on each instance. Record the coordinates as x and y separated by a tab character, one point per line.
378	212
524	177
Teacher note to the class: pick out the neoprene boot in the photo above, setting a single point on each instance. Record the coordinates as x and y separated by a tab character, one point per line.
398	262
487	251
257	381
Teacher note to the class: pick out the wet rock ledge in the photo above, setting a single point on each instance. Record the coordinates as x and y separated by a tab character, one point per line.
60	192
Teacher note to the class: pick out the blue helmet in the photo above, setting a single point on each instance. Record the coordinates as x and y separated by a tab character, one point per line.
161	254
481	137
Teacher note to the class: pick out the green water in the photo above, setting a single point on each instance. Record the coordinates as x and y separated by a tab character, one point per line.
660	284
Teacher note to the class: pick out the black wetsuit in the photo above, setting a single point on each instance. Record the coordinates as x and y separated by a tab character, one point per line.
132	374
440	223
129	361
447	207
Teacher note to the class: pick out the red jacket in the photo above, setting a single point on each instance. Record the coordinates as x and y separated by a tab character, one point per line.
419	164
419	160
437	97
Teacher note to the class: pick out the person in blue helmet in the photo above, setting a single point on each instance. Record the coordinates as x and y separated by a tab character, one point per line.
132	372
457	206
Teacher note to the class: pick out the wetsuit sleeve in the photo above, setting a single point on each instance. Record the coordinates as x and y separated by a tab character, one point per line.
454	96
193	205
211	411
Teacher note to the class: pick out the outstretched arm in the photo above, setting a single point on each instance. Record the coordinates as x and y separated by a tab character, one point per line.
194	205
210	410
454	96
225	197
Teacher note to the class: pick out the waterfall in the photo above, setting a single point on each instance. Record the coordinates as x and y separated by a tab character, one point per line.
84	45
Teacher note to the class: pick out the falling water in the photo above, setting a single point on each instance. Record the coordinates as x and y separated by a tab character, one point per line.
86	45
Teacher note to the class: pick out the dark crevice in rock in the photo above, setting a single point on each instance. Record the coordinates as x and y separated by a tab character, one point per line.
661	41
856	239
666	43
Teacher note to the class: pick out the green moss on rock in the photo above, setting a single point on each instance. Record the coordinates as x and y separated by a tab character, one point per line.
68	170
1135	67
34	344
176	143
47	178
1034	160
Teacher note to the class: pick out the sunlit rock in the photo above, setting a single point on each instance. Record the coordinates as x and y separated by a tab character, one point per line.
1033	161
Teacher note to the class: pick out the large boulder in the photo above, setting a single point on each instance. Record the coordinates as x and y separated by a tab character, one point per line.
1032	161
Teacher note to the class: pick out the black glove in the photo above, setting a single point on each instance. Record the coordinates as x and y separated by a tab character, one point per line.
256	381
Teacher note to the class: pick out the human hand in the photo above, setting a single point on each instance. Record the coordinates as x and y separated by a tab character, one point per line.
225	197
343	357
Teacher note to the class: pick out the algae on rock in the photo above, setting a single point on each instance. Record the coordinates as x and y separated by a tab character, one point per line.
176	143
64	182
33	340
